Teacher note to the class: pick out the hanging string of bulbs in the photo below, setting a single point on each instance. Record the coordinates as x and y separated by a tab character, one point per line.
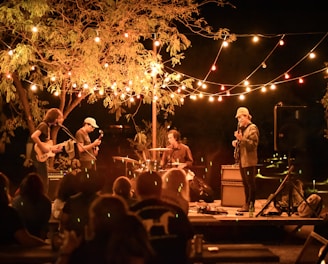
198	90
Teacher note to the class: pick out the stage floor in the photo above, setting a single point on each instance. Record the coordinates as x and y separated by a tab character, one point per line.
215	214
283	234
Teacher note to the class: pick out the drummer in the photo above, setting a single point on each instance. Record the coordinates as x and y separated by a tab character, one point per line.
179	154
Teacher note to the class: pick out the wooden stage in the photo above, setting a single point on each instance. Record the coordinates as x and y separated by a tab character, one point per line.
219	227
218	215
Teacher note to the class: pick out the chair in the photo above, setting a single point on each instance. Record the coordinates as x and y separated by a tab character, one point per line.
314	250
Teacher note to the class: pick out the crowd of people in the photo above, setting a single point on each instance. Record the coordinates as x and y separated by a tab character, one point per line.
148	224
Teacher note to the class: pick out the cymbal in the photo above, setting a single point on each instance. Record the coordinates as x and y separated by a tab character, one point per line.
159	149
125	159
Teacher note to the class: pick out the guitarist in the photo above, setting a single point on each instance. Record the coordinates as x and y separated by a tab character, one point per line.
41	138
246	143
87	150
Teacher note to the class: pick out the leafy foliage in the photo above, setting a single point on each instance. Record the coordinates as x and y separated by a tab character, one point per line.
52	45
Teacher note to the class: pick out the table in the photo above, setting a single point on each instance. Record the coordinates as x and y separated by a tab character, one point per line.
235	253
22	255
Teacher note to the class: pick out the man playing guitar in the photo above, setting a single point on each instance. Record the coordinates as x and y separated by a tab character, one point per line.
41	139
87	150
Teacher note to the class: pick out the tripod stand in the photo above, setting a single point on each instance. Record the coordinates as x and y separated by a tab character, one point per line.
287	181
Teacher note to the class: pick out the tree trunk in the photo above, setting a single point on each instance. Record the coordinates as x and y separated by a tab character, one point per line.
24	100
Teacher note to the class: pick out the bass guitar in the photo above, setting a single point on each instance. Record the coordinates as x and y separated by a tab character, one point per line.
43	156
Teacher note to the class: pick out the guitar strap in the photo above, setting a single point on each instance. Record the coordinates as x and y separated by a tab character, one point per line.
242	129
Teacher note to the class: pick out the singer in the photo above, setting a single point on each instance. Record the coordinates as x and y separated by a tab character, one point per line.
43	146
246	144
87	150
179	154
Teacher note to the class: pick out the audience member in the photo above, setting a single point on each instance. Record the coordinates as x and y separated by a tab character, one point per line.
117	236
176	188
67	187
33	205
168	226
122	187
12	229
75	211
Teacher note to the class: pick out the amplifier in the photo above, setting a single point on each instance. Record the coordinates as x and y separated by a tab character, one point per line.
230	173
54	179
232	193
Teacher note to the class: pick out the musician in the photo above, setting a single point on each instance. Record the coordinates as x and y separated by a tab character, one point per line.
41	138
246	143
87	150
179	154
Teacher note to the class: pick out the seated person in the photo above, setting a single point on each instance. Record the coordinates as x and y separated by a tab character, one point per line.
33	205
67	186
75	211
168	226
179	154
12	229
122	187
116	236
176	188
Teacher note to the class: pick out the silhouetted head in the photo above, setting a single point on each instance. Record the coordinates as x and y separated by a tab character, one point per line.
105	212
149	185
31	186
122	187
175	181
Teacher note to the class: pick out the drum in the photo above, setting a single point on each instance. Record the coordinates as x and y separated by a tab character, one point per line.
152	165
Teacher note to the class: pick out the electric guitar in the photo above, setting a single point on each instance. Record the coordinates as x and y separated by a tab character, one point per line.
236	153
43	156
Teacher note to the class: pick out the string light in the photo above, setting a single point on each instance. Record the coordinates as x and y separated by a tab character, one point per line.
225	43
312	55
255	39
33	87
201	83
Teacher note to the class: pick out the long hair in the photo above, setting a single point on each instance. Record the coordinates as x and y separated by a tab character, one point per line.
32	187
51	115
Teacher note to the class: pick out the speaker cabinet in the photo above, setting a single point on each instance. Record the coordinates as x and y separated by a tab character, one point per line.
289	128
232	193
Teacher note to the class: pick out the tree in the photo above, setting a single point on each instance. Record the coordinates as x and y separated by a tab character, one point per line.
95	50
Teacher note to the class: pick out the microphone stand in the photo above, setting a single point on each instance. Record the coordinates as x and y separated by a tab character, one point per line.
66	130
